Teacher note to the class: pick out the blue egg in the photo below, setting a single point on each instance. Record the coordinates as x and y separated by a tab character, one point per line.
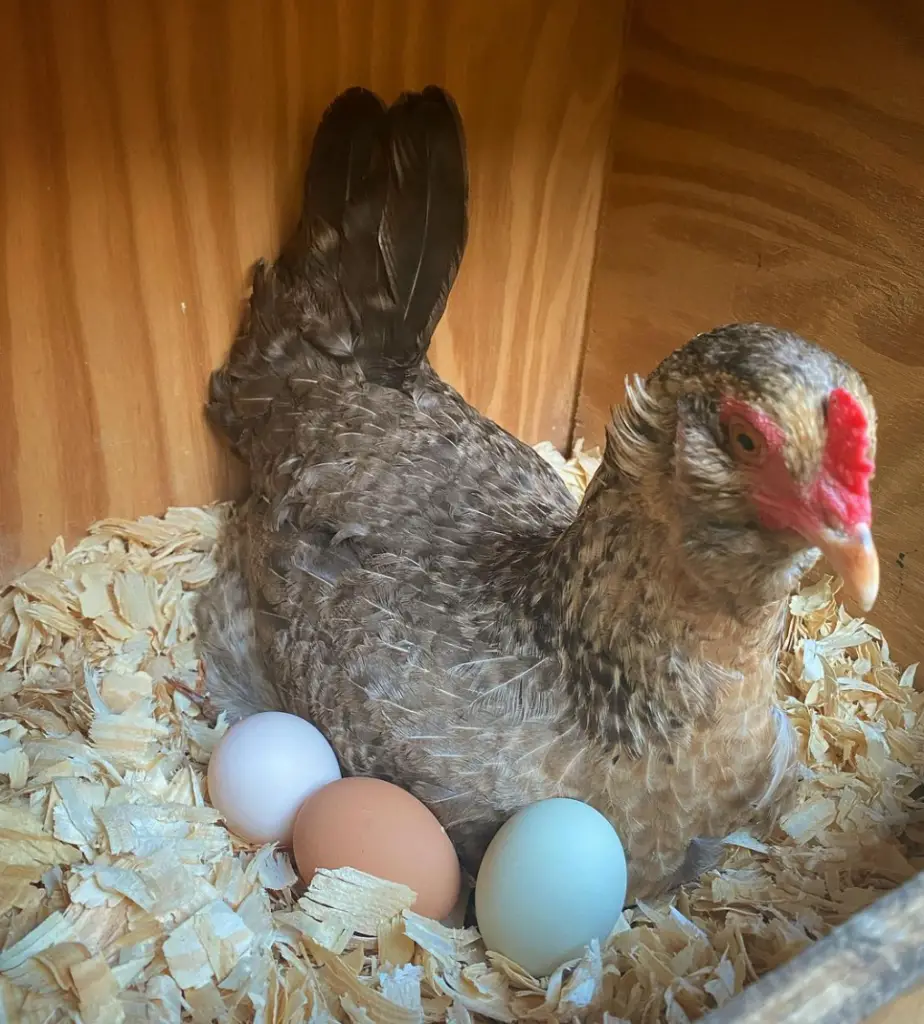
552	879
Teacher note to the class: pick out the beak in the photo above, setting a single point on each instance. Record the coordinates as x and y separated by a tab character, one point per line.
852	555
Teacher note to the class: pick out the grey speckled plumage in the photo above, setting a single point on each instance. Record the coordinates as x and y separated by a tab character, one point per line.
421	585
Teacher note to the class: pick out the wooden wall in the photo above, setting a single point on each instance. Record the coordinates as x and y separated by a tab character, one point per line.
150	150
768	163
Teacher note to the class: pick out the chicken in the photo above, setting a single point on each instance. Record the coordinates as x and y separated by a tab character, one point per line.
420	584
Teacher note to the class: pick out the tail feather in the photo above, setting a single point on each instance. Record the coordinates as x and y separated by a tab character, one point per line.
402	231
344	197
365	277
423	231
347	157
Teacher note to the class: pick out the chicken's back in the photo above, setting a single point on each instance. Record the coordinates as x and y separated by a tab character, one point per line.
372	584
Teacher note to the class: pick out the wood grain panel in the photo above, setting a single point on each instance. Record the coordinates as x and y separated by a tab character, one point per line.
907	1009
768	163
151	150
857	973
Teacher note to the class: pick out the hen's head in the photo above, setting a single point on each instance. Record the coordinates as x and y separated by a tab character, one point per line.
762	448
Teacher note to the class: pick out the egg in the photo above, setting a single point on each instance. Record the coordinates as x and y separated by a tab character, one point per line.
262	770
378	828
552	879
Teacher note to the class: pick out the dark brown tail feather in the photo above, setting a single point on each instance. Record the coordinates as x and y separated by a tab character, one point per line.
421	238
344	197
366	275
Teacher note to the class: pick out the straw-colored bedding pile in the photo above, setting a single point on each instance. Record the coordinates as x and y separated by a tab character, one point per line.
122	896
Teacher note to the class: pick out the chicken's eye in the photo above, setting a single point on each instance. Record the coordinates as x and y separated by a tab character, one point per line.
746	443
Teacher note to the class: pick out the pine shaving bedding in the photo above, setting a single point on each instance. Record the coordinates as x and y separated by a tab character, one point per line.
124	898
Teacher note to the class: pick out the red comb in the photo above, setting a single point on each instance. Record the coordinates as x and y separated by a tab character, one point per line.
847	444
846	462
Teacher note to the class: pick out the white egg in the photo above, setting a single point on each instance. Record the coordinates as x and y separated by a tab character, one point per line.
262	770
552	879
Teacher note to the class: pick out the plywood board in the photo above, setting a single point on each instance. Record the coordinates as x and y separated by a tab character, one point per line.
907	1009
151	150
768	164
857	974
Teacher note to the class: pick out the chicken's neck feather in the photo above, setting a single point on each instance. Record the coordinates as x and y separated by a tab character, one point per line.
651	646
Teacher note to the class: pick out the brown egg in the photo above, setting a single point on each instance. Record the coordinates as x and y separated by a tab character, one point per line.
378	828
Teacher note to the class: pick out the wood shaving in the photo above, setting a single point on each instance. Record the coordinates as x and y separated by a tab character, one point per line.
124	898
